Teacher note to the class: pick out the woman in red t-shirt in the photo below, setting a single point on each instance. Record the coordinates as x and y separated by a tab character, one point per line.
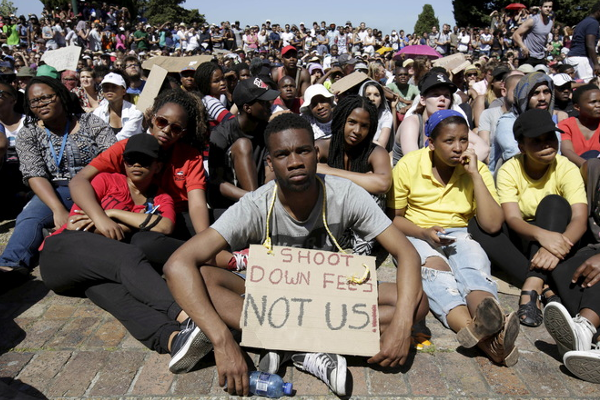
581	136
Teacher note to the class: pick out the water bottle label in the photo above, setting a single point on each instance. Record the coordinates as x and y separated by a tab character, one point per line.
262	388
262	384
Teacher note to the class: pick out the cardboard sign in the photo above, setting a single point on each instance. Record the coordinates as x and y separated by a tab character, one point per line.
176	64
63	59
349	81
450	62
298	299
152	87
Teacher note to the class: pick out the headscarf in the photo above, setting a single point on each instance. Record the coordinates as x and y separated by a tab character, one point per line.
526	86
384	104
438	117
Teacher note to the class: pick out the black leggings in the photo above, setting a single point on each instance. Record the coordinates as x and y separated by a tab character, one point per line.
116	277
573	296
510	253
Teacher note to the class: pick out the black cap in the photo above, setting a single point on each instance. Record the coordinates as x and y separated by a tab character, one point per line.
431	80
346	59
142	143
533	123
499	72
252	89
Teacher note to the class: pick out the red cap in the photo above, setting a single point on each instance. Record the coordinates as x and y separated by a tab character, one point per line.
288	48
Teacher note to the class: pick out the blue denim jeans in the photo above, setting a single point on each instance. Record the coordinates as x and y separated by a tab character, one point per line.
27	237
469	271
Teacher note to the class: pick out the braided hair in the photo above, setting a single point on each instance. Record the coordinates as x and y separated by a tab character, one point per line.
68	100
359	154
203	76
197	126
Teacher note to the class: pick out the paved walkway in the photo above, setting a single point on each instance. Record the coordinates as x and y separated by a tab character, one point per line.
65	348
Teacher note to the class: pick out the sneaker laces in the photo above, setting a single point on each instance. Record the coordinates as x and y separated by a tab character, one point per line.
241	260
317	364
189	326
579	319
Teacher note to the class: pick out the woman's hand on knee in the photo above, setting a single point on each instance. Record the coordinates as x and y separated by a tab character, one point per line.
545	260
556	243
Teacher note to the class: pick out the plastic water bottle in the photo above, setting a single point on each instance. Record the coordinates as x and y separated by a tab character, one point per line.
269	385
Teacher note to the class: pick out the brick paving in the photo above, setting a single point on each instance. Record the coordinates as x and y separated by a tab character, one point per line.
67	348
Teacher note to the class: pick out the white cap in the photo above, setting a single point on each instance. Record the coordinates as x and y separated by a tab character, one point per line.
561	79
314	90
115	79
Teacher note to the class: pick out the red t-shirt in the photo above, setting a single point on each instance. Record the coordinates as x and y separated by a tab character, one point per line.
112	192
572	133
182	173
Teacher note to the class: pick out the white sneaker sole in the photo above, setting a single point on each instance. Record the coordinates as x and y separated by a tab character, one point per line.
191	353
560	326
584	365
339	377
270	362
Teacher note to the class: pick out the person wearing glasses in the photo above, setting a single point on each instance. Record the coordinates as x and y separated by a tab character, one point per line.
57	140
78	262
133	70
177	122
124	119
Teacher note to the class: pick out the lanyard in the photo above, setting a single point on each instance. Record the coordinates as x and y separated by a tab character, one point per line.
62	146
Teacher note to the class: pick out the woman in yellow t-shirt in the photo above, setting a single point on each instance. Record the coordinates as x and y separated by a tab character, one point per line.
436	191
545	207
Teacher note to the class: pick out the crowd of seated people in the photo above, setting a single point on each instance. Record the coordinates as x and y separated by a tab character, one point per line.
488	169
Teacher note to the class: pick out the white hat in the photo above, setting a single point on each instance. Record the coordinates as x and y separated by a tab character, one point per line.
541	68
561	79
526	68
314	90
115	79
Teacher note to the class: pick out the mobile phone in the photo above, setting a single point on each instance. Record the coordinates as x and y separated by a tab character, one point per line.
443	236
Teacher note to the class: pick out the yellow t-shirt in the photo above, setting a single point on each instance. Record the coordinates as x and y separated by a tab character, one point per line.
427	201
561	178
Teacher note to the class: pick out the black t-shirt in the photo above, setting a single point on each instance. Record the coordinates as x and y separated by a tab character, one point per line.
221	140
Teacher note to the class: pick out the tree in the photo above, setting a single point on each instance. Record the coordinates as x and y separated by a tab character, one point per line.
473	12
426	20
160	11
7	8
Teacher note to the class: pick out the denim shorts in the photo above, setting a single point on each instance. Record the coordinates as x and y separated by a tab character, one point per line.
470	270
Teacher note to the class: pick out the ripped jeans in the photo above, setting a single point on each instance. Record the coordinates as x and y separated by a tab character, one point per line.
470	270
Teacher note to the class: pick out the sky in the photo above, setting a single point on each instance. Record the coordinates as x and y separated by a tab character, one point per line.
398	14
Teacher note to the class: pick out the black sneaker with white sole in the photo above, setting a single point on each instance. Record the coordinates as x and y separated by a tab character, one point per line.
330	368
189	346
271	361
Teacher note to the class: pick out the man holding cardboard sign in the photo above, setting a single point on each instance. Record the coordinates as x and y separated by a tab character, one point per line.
297	210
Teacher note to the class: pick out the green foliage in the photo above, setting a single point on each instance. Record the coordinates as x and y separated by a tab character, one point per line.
7	7
161	11
426	20
473	12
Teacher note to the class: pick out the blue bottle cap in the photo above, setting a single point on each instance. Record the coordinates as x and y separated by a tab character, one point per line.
287	388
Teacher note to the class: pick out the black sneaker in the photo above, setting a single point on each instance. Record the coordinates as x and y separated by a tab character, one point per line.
270	361
189	346
330	368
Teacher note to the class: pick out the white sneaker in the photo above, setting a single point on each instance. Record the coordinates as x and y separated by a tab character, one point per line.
584	364
330	368
568	333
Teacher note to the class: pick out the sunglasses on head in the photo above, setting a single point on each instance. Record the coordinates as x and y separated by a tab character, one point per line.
162	123
144	160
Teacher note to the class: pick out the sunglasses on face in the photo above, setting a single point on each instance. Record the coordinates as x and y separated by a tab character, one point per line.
162	123
143	160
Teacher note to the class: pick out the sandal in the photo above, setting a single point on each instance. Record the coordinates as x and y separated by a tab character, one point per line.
548	299
529	313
